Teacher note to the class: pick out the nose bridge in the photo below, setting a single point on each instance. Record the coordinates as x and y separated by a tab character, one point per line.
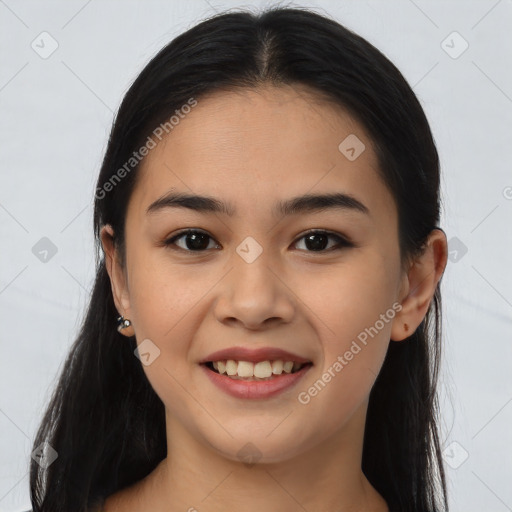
251	271
253	292
252	280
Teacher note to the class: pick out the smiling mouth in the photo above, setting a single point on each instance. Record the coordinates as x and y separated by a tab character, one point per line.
263	370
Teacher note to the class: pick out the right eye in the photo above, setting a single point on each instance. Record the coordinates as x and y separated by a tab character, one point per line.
194	241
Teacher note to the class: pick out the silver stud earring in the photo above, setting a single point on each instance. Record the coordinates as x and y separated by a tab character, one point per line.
122	323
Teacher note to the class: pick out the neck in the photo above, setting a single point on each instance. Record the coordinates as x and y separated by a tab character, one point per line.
195	477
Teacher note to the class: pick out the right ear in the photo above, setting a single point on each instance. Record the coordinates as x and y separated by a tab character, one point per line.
117	276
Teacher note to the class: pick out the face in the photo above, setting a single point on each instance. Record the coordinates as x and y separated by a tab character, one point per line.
322	284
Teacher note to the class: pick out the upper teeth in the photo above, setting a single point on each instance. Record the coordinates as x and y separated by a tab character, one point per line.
262	370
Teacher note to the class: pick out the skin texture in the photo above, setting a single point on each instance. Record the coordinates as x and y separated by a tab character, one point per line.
252	148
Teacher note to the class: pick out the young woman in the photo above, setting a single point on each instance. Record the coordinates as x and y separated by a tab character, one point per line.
264	329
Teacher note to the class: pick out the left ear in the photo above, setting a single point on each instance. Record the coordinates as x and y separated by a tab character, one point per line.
420	284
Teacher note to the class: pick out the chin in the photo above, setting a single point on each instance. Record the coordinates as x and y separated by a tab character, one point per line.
253	449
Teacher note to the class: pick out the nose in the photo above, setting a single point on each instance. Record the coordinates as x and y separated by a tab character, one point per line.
254	295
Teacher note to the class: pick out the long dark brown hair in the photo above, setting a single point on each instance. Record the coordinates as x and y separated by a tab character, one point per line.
104	419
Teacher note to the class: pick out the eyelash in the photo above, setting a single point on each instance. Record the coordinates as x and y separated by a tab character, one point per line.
342	241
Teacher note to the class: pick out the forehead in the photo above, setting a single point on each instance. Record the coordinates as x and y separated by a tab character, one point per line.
252	146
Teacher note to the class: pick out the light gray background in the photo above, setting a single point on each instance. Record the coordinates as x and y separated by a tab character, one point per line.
55	120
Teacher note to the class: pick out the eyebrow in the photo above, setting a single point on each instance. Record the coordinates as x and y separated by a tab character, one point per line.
301	204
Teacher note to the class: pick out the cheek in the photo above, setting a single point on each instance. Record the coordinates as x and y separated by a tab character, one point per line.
162	294
166	306
351	297
354	309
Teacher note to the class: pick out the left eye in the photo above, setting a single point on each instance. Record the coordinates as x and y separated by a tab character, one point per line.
315	241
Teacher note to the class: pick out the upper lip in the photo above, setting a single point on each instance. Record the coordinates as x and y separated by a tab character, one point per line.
254	355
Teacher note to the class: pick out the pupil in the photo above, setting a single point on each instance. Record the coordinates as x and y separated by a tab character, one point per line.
199	241
317	245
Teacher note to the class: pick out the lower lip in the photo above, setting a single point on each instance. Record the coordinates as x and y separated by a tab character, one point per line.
254	389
